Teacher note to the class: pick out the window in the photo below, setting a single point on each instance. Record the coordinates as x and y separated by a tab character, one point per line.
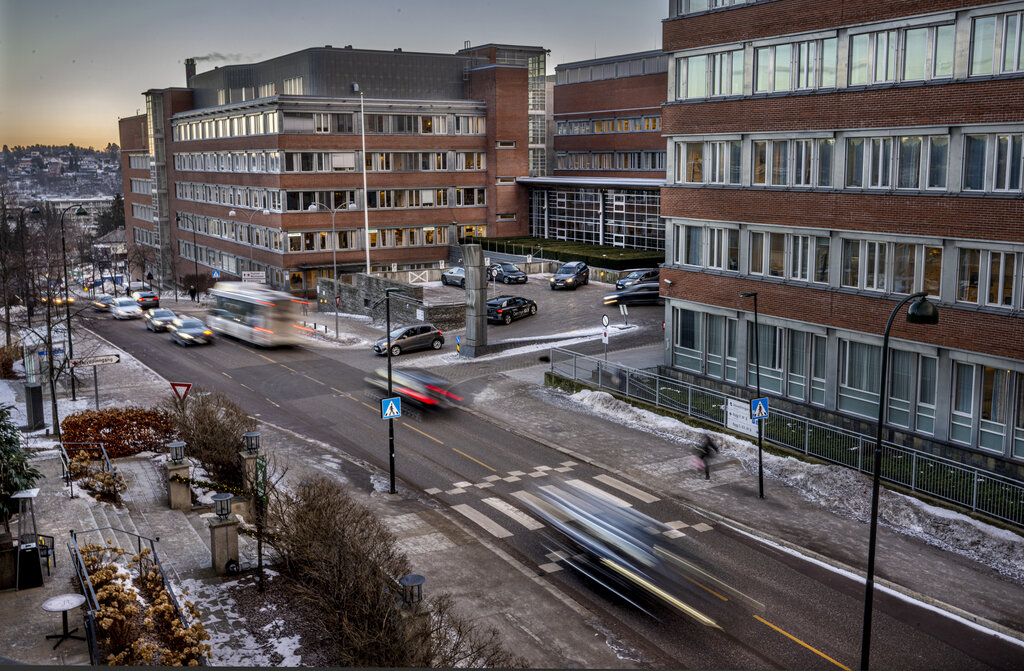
293	86
770	162
1000	278
800	256
851	263
869	161
974	162
768	352
687	345
693	247
1008	162
723	248
756	253
694	162
859	364
909	163
904	259
968	275
961	422
801	65
1013	54
983	42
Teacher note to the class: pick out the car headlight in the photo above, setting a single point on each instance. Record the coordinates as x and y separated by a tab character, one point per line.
186	336
570	280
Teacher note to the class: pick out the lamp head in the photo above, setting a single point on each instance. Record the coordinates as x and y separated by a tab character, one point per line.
748	294
922	311
81	211
232	213
265	213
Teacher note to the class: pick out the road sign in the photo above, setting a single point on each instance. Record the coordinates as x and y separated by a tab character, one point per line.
337	301
99	360
181	389
258	276
623	309
604	320
391	408
55	352
215	274
604	337
758	408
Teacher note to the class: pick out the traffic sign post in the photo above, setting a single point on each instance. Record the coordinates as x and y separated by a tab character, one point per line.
181	389
758	409
215	274
99	360
391	408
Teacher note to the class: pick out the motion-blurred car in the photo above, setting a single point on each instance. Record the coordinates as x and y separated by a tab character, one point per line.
643	292
157	319
190	331
509	273
125	308
571	275
410	338
503	309
421	388
146	299
103	303
636	276
455	276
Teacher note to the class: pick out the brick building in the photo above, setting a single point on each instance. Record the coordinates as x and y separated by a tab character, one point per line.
260	167
835	156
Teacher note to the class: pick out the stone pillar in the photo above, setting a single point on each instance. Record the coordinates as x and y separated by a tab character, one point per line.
475	341
180	492
223	542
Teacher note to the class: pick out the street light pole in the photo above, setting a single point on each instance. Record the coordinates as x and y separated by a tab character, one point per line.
366	203
391	420
757	366
920	312
252	243
67	298
195	249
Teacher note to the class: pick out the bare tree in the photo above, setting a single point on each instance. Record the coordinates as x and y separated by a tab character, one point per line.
139	258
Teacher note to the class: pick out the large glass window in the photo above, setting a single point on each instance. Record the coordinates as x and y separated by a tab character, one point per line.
938	151
903	264
1008	162
860	369
961	428
983	45
974	162
1000	278
968	275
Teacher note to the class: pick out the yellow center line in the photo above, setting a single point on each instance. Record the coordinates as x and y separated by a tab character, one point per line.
794	638
371	407
343	393
422	433
704	587
291	369
476	460
265	357
314	380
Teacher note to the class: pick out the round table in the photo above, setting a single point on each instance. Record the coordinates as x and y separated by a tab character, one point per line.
62	604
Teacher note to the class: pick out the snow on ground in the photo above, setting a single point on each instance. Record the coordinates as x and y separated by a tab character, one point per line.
838	489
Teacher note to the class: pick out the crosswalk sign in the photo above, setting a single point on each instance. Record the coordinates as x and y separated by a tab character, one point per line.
391	408
758	408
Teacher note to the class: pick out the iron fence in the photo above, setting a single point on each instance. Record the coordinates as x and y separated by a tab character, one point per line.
96	450
979	490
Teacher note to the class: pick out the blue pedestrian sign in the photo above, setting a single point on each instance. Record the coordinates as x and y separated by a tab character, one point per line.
391	408
758	409
215	274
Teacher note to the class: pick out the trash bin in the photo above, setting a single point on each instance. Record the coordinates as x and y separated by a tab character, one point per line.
34	407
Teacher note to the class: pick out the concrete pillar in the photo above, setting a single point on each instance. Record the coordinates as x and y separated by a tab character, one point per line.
180	493
223	543
475	341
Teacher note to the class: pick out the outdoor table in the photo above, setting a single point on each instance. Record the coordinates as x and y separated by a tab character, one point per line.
62	604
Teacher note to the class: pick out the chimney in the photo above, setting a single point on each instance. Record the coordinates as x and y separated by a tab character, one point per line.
190	70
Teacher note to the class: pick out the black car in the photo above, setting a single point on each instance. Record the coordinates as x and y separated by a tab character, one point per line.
503	309
409	338
509	273
643	292
419	387
146	299
157	319
190	331
636	276
571	275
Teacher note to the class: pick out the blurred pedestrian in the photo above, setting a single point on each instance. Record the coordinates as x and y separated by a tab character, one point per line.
192	292
704	447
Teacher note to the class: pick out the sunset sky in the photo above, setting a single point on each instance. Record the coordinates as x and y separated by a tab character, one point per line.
70	68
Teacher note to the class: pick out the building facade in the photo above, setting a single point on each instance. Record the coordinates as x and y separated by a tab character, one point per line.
262	167
835	166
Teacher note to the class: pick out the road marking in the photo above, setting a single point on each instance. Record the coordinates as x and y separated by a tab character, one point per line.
514	513
246	386
492	528
343	393
274	404
314	380
291	369
476	460
536	502
265	357
629	489
614	500
797	640
226	375
371	407
423	433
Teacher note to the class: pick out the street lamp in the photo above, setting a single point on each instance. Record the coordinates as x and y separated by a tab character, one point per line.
920	312
334	250
80	212
757	365
366	212
195	249
252	242
391	420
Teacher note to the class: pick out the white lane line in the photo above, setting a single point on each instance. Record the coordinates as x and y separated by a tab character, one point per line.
514	513
490	527
614	500
629	489
272	403
225	375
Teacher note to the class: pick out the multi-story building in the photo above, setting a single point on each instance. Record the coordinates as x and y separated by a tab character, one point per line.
609	154
325	158
835	156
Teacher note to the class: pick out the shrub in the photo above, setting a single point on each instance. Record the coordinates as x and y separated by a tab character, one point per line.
123	431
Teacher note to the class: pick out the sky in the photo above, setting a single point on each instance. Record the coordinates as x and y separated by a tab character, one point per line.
70	68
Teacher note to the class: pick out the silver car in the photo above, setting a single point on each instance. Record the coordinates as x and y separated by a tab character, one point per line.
126	308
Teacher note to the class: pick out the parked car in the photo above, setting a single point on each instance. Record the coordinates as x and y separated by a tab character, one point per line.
509	273
125	307
503	309
190	331
419	387
455	276
146	299
571	275
103	303
643	292
410	338
157	319
636	276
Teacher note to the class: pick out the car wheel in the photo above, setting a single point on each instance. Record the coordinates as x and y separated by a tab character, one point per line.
395	350
463	284
507	319
533	309
506	280
444	281
436	343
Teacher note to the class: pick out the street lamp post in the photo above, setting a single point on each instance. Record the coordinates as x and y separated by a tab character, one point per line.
252	243
195	249
757	366
920	312
334	249
67	298
366	212
391	420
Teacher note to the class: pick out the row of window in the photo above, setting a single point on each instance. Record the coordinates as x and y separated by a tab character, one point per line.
634	124
298	201
328	161
139	161
610	160
898	54
633	67
991	162
144	236
983	275
683	7
141	186
143	212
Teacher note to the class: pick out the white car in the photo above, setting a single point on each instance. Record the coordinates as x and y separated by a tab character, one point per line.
126	308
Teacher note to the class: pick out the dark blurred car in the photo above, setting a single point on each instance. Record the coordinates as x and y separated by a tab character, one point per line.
509	273
146	299
419	387
636	276
455	276
190	331
643	292
409	338
103	303
503	309
571	275
157	319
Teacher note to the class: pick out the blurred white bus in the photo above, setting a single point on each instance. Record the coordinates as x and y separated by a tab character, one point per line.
256	313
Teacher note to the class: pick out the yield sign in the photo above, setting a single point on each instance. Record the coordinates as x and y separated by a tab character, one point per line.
181	389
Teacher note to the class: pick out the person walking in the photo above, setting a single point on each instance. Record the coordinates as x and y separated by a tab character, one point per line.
704	447
192	292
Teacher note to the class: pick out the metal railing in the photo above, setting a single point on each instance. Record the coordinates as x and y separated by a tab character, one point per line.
66	450
979	490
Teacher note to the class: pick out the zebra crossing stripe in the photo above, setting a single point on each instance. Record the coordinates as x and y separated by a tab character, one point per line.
492	528
614	500
629	489
514	513
531	500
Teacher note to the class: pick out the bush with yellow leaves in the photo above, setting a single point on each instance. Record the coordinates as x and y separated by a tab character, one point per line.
106	485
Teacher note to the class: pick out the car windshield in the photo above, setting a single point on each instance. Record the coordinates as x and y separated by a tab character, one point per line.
126	302
634	275
566	270
398	332
509	268
191	324
162	313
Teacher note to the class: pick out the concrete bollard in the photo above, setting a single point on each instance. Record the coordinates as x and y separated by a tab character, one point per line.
180	493
223	543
